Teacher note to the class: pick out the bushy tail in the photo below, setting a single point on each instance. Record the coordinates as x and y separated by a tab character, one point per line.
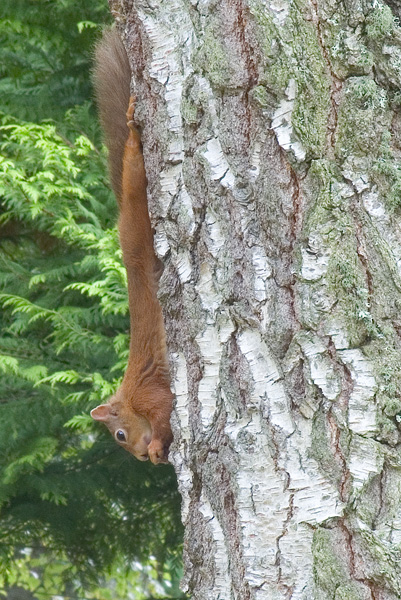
112	77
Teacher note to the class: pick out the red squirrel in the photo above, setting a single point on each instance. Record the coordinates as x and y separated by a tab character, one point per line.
138	415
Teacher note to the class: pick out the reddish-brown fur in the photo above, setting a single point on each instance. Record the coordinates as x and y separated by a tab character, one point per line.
141	407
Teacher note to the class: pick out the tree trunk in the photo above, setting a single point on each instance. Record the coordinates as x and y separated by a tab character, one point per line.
272	137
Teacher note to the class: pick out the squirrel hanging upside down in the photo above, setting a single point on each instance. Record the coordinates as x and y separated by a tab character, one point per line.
138	415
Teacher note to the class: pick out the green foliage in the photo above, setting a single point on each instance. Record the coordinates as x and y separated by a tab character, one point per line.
63	349
32	570
78	515
45	59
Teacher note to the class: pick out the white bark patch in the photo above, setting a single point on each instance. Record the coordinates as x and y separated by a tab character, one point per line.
359	180
211	345
219	167
170	64
184	478
169	179
324	376
313	266
315	258
222	580
183	267
279	9
297	560
315	499
321	367
335	330
361	405
269	520
282	124
215	240
263	508
374	207
366	459
206	289
207	393
268	391
180	385
263	271
167	64
161	242
179	450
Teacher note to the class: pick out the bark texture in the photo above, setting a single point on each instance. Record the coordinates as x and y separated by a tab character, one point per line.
272	141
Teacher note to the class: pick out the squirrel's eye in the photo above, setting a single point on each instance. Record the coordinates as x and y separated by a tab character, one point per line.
120	436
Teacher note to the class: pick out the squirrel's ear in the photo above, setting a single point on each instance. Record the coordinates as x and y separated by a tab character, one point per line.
101	412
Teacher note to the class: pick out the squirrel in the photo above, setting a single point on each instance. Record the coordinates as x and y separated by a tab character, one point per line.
138	415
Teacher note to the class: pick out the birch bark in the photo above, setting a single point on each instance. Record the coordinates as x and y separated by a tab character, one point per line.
272	141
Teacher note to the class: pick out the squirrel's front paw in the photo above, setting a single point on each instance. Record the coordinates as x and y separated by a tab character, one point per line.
131	112
157	453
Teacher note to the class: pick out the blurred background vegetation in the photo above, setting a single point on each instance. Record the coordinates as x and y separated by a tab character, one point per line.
79	517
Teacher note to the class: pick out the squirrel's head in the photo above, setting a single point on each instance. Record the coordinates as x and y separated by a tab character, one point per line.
130	429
